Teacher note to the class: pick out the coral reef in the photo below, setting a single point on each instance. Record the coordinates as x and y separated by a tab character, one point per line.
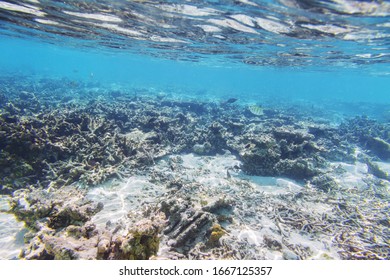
284	151
57	143
54	208
368	134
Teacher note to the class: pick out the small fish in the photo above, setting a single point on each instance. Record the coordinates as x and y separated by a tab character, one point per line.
256	110
229	101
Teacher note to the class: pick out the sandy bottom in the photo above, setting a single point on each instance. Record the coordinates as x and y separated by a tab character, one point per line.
216	177
11	233
254	197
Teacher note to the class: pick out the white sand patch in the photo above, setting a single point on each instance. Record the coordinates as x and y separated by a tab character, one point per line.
251	236
318	208
11	233
318	249
272	185
119	198
211	166
353	175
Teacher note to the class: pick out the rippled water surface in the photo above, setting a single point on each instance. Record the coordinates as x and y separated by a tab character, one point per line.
266	32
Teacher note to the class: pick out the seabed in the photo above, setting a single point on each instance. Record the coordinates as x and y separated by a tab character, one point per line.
102	173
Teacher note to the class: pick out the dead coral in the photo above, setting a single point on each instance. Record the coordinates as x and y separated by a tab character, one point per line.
142	242
59	208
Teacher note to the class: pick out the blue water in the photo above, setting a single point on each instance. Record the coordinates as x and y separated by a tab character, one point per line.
286	58
22	57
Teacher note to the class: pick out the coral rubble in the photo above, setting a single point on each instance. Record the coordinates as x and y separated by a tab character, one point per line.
56	144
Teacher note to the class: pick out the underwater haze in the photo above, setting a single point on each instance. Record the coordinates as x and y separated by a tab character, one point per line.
245	129
215	78
310	49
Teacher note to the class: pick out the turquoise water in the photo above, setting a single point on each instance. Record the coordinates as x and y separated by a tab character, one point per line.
213	80
289	49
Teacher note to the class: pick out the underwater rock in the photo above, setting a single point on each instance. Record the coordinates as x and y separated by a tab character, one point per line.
344	153
186	225
57	220
379	147
301	168
220	205
70	248
375	170
87	242
59	208
217	137
368	134
35	250
142	242
270	162
324	182
321	131
289	255
282	151
260	157
272	243
235	127
334	146
291	135
222	208
71	243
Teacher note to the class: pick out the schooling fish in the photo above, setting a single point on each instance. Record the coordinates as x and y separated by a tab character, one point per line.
256	110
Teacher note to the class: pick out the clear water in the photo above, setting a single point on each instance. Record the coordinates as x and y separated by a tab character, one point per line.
288	48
